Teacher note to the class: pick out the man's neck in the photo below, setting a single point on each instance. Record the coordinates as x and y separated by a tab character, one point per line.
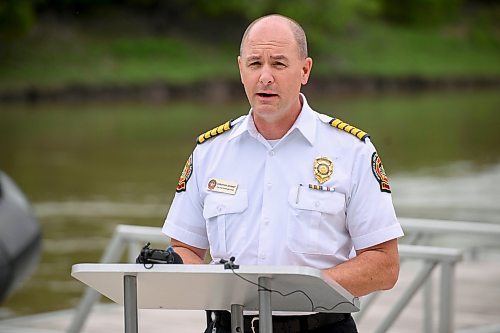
273	129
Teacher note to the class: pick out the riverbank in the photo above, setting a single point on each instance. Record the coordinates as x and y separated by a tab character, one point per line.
71	60
228	90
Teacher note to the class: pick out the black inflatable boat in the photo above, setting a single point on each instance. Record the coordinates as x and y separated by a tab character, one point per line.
20	237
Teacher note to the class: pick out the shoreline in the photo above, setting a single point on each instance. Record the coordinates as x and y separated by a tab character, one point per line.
227	90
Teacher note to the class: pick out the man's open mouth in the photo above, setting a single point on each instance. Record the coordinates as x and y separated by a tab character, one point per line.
266	94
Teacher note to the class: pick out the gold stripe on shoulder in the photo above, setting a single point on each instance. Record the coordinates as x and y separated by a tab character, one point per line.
214	132
362	135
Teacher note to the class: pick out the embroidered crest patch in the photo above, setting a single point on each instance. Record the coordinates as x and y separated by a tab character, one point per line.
185	175
379	173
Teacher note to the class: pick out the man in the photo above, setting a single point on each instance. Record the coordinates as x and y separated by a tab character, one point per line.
286	185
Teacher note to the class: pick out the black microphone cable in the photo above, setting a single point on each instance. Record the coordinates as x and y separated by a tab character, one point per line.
230	265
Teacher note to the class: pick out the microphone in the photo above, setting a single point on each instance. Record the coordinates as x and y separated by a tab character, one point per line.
229	264
156	256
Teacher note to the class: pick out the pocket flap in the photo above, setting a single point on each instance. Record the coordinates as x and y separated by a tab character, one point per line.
316	200
219	204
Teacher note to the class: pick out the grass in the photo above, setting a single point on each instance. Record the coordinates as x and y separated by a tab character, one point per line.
391	52
54	57
77	58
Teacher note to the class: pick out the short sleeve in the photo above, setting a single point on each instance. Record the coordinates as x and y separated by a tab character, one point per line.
184	221
371	218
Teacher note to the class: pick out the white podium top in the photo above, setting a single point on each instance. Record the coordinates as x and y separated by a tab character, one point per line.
201	287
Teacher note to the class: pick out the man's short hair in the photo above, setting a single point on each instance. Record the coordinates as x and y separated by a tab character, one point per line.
298	33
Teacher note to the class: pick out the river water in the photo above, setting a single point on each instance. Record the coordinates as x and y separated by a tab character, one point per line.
88	167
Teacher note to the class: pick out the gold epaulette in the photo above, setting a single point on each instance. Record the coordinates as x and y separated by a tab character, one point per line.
349	129
214	132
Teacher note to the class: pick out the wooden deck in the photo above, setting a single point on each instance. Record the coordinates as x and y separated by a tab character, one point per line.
477	303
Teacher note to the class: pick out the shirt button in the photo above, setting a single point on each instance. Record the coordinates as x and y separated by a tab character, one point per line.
269	185
266	221
272	153
317	204
262	256
220	208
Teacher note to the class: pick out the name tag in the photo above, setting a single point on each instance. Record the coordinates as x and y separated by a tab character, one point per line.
222	186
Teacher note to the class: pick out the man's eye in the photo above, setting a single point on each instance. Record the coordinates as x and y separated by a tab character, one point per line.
254	64
280	65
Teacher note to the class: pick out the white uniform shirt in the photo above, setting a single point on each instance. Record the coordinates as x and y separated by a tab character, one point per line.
274	218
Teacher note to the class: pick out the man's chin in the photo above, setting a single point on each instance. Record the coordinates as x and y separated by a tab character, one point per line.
264	110
265	104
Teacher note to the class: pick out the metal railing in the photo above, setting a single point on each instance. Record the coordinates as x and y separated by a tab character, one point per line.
418	231
133	237
431	257
124	236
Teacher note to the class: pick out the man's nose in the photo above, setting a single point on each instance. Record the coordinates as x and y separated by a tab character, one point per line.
266	76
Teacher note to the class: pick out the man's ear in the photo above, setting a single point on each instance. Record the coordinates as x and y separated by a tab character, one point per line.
240	67
306	70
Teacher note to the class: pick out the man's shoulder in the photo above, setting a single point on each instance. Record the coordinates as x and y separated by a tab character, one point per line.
338	125
218	130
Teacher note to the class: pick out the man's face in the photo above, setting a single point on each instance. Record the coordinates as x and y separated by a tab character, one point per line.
272	71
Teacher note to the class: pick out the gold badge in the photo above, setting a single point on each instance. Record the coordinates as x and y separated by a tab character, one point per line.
323	169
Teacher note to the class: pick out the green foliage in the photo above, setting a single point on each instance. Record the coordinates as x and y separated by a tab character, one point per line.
198	40
485	26
395	51
16	18
421	12
320	18
329	15
106	60
374	50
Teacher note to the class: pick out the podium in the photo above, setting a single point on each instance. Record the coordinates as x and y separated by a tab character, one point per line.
212	287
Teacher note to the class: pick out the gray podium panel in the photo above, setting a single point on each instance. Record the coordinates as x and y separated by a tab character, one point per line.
200	287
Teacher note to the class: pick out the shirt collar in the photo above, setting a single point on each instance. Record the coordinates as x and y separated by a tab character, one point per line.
305	123
246	125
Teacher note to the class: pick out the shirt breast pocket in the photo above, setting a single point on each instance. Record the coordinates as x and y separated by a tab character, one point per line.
220	211
316	222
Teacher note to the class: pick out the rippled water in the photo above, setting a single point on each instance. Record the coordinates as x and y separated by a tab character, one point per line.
87	168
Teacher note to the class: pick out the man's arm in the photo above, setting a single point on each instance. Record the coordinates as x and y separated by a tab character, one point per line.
188	253
374	268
